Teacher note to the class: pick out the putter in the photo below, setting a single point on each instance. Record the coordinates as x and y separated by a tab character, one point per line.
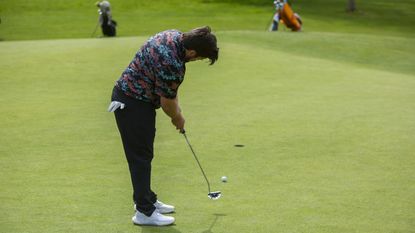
212	195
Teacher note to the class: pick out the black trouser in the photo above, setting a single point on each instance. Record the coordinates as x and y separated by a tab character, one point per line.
136	123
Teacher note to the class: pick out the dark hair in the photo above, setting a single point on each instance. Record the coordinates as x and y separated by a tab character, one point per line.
203	42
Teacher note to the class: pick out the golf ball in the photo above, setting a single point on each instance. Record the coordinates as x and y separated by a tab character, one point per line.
224	179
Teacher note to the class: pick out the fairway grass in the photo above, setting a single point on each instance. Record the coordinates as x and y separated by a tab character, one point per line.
45	19
328	137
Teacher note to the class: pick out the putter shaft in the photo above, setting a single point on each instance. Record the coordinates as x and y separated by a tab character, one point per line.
197	160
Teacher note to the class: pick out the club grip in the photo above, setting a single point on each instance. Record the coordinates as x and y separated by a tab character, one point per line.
182	131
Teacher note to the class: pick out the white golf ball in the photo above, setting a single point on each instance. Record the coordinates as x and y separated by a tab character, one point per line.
224	179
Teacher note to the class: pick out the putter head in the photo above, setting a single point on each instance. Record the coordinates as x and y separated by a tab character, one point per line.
214	195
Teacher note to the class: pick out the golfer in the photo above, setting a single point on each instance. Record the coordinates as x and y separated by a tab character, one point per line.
149	82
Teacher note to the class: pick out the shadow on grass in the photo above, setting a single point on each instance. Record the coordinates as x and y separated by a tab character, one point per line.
171	229
213	223
166	229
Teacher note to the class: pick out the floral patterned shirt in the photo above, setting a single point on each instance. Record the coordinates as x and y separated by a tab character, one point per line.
157	69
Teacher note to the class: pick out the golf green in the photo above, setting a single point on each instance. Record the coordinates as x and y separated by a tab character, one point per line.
327	126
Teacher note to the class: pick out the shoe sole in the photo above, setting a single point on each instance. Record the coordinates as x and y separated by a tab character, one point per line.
151	224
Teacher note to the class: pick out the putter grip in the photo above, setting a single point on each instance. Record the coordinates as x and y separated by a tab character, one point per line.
182	131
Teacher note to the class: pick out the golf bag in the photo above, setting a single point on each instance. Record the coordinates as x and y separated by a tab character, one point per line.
285	15
108	25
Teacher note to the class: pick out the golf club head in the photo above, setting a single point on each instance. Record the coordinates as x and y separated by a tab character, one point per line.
214	195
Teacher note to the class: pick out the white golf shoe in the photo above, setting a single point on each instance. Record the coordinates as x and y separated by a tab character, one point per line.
161	207
156	219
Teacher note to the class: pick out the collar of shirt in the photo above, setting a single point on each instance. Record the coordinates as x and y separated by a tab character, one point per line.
182	50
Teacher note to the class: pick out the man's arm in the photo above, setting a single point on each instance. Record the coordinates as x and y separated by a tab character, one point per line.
172	109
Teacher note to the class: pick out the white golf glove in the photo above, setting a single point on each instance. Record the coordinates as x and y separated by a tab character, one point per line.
115	105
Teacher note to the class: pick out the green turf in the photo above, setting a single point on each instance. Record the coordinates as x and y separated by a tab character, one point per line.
43	19
325	117
328	139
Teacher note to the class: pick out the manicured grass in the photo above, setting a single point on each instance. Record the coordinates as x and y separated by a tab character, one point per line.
79	18
325	117
44	19
328	137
